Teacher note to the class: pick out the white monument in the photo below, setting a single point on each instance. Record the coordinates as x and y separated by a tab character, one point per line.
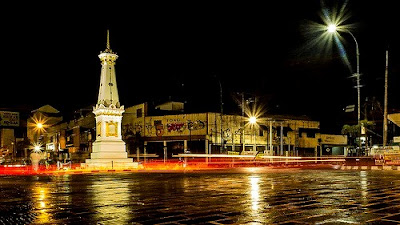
109	149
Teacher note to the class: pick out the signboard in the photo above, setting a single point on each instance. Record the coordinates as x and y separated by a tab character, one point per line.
50	146
333	139
392	158
396	139
8	119
350	108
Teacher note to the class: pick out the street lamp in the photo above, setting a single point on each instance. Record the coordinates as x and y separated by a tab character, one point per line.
40	128
37	147
253	122
222	110
332	28
39	125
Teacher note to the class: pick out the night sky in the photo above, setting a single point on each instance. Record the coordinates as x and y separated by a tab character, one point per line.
179	51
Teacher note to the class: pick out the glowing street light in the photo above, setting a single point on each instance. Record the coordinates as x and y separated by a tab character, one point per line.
253	120
37	148
39	125
36	155
331	28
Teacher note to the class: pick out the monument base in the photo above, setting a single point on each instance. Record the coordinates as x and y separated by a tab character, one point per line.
109	155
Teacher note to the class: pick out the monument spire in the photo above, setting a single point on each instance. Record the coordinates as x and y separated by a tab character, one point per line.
108	92
108	49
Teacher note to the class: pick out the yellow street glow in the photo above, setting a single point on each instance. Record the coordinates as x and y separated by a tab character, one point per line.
331	28
38	124
252	119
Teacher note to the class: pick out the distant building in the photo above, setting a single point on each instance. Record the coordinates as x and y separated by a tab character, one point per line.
171	106
395	131
40	124
12	133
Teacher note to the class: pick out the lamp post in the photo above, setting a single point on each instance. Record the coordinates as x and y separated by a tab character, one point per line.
332	28
40	128
253	121
222	110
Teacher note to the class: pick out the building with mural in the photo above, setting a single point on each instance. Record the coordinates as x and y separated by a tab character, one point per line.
170	131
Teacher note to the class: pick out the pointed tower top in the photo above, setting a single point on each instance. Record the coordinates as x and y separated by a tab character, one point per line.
108	39
108	49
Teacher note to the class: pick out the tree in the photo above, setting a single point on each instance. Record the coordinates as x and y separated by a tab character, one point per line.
354	131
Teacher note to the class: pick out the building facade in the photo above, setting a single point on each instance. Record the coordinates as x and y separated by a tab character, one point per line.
168	131
210	132
12	134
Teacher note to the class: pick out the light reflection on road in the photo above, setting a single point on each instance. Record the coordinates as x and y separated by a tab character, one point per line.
110	199
245	196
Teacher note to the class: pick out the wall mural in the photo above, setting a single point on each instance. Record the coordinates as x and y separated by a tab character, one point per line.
173	125
227	135
195	125
159	127
176	126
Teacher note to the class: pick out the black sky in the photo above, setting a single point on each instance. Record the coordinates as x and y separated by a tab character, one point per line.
181	49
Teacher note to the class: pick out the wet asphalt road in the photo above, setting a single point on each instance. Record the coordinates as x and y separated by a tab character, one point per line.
242	196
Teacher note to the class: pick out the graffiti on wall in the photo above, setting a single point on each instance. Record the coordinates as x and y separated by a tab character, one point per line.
179	127
196	125
227	135
157	127
175	125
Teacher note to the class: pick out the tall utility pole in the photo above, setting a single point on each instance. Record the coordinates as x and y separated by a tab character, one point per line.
222	111
243	125
281	139
358	89
385	126
271	149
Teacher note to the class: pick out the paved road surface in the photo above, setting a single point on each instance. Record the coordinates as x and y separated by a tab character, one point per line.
242	196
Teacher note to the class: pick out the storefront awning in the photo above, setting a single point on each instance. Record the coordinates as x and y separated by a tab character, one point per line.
395	118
